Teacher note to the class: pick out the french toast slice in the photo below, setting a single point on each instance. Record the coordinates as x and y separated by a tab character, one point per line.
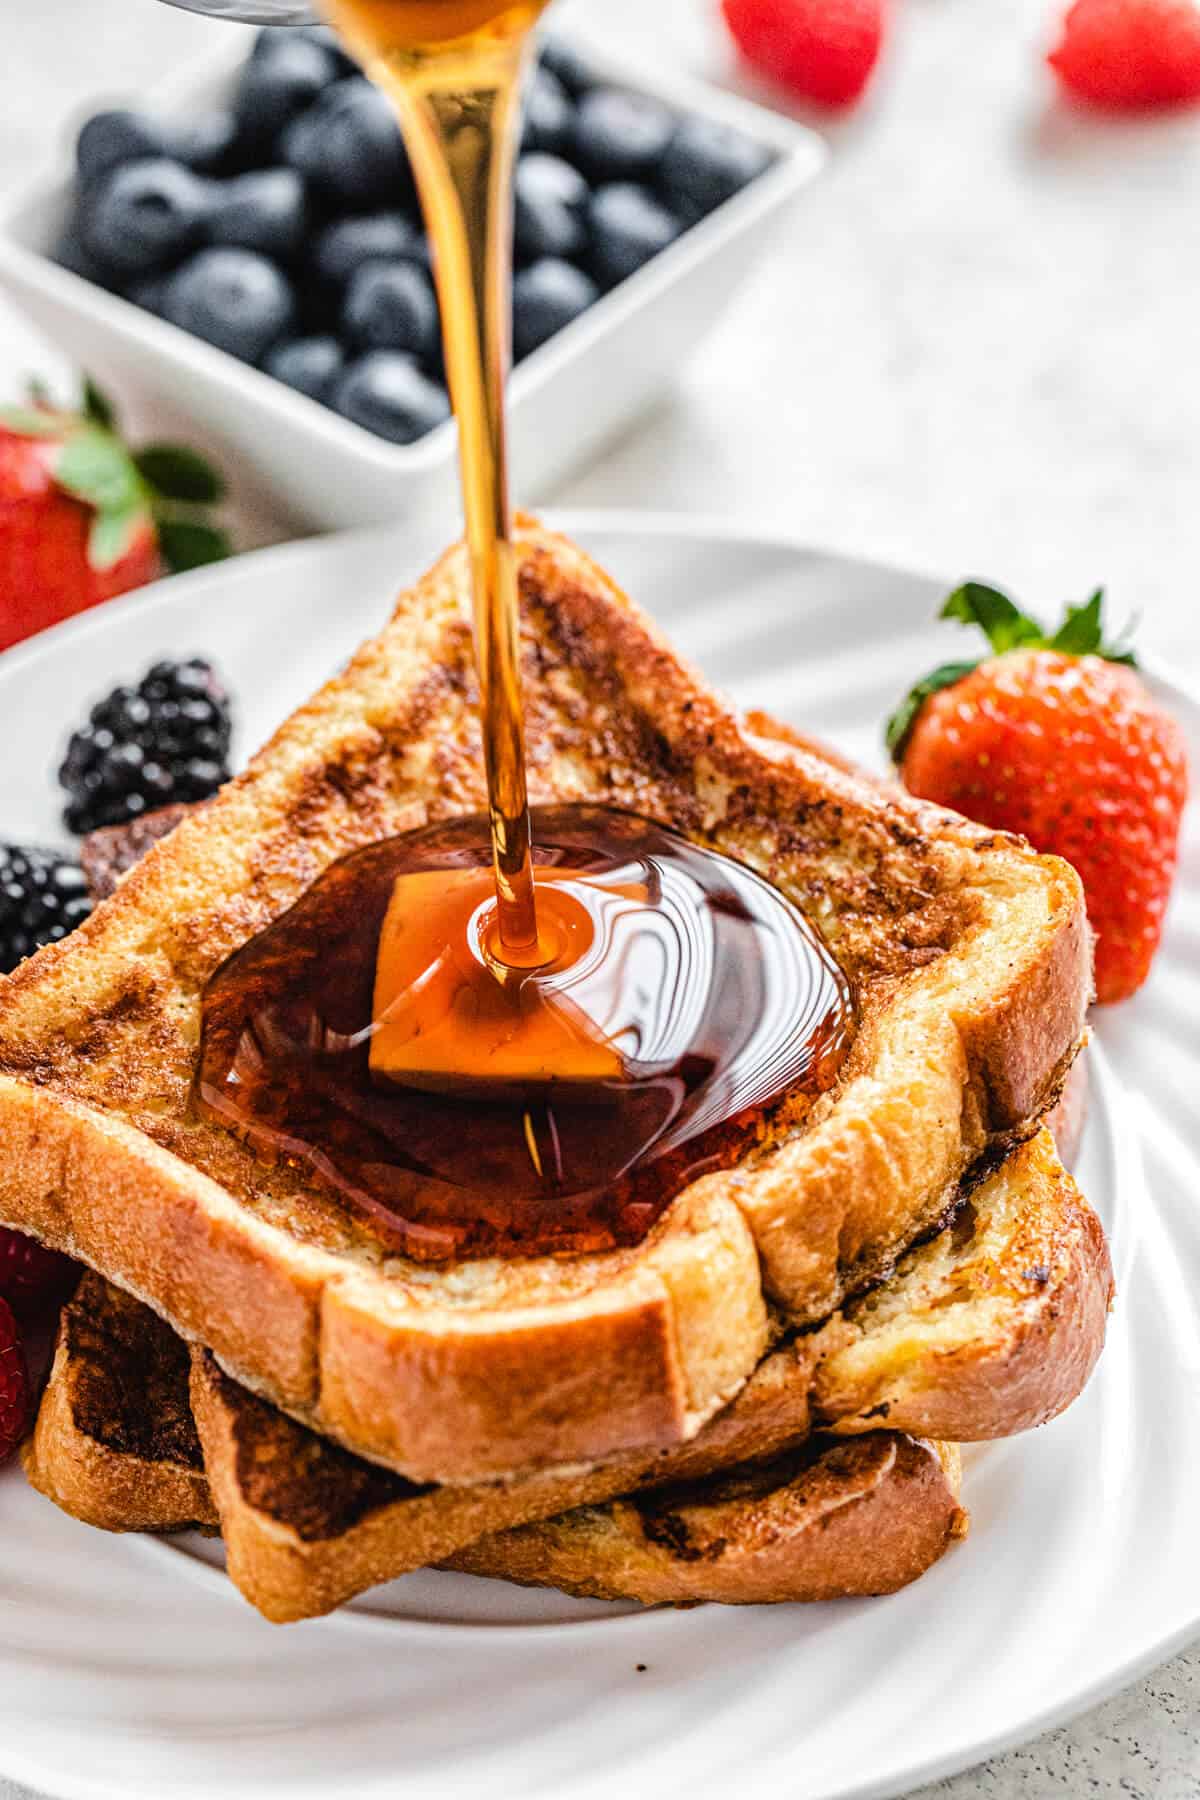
827	1521
115	1442
995	1324
969	956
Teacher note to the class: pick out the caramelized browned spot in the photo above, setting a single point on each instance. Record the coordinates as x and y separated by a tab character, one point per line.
684	1519
299	1479
130	1377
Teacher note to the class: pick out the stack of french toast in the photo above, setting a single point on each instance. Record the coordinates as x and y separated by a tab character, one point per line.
760	1401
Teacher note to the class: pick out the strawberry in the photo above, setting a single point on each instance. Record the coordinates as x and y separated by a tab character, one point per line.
1130	53
822	50
82	519
1058	738
32	1278
15	1396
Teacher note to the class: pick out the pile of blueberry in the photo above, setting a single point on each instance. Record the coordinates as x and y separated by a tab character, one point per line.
285	229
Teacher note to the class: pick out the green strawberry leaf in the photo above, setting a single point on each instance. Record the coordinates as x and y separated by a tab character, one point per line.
28	421
900	725
113	533
1080	633
1006	627
178	473
190	544
97	406
96	468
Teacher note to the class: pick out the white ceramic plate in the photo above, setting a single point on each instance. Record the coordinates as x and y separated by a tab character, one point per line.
129	1668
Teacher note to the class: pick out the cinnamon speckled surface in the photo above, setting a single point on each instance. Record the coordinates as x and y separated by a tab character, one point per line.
973	351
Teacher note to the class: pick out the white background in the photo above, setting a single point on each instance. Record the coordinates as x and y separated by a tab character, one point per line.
975	350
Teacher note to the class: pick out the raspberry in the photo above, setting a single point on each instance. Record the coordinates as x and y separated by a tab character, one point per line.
32	1277
14	1385
1131	53
823	50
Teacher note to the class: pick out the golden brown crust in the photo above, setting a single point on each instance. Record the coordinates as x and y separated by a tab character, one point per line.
115	1443
293	1558
827	1522
966	1330
968	953
990	1330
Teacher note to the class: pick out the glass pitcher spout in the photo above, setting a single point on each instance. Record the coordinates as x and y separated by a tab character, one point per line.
252	12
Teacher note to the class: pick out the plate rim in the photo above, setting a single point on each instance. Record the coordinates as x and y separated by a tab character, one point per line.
633	523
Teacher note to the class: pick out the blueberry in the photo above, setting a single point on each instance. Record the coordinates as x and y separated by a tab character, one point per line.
390	306
551	207
546	296
619	136
262	211
278	85
628	227
349	145
112	138
232	298
567	66
386	393
368	237
144	215
706	163
549	116
310	365
212	143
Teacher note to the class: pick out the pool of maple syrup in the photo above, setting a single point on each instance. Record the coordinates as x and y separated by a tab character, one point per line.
488	1038
373	1037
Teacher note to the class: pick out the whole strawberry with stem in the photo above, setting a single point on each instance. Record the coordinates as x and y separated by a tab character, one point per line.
15	1398
1056	737
83	518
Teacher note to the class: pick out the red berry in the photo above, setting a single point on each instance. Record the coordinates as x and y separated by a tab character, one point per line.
83	519
823	50
32	1278
45	572
1131	53
15	1399
1074	753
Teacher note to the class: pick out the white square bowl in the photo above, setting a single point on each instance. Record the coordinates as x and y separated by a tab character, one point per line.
319	470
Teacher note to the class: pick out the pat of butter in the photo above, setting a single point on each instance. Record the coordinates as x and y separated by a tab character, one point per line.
443	1020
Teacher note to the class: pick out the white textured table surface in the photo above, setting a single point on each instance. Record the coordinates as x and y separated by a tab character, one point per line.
974	351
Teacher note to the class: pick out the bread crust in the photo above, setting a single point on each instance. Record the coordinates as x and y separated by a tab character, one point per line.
109	1457
987	1338
964	1330
969	956
829	1522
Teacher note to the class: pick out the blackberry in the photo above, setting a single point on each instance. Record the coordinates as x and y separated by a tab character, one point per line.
165	740
43	896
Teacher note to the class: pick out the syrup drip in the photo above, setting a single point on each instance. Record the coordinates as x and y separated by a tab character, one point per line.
373	1036
453	70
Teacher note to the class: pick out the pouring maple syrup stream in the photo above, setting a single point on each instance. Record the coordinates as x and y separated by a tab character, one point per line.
454	70
476	1066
